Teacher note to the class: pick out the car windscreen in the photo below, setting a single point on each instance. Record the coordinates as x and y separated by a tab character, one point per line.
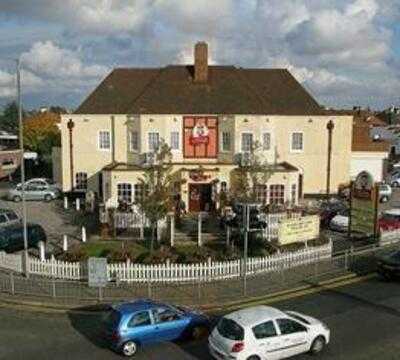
298	317
111	319
390	217
12	216
230	329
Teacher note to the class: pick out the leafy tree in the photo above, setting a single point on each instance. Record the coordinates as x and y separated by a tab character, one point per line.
158	184
9	118
249	175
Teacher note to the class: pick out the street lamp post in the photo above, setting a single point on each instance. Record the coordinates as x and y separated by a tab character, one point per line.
329	126
21	146
70	126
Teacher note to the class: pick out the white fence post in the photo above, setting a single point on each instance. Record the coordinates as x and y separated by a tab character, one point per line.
199	242
42	251
78	204
83	234
172	230
65	202
65	242
142	226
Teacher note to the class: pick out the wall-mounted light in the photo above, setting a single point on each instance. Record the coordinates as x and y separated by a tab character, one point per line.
175	120
245	120
85	120
267	120
310	120
151	120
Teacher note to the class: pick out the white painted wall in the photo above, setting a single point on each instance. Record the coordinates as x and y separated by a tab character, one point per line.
373	162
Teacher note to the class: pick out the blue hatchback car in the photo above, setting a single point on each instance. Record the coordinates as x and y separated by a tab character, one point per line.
142	322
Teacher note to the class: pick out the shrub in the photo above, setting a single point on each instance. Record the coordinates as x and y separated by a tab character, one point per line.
74	254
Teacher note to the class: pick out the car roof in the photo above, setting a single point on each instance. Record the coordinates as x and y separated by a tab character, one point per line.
395	212
137	305
254	315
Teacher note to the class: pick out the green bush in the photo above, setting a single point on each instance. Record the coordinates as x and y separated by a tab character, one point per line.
74	254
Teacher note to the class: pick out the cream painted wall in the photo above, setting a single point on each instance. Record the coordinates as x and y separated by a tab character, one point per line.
372	162
312	161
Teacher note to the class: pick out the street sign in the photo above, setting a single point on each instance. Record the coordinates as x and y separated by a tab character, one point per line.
97	272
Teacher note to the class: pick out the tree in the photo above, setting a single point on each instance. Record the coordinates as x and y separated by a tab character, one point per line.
157	184
41	133
251	173
9	118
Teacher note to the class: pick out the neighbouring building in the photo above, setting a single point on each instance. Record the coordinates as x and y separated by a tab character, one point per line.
209	116
10	154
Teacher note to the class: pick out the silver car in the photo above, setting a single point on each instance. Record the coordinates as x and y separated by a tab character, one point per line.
34	191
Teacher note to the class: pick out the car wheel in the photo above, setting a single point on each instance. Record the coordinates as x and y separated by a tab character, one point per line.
253	357
395	184
317	345
17	198
129	348
384	199
199	332
48	197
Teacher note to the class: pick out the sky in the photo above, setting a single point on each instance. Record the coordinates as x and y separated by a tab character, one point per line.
344	52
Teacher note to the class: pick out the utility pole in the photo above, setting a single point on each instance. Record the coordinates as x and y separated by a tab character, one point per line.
21	146
246	223
330	126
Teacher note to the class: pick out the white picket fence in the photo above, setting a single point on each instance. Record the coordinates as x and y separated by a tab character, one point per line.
161	273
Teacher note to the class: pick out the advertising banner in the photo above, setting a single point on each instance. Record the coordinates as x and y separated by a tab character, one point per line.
298	230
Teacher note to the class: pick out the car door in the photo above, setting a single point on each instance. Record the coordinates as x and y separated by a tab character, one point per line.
294	337
267	340
170	324
141	328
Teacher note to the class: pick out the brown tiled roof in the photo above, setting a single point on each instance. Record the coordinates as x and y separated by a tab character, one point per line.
171	90
363	142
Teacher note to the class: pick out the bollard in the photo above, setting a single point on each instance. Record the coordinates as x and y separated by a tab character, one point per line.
83	234
142	227
12	283
65	243
78	204
172	230
65	202
42	251
199	242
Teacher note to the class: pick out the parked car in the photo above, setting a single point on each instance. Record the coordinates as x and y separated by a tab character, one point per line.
389	265
8	217
34	191
389	219
340	222
385	192
394	179
328	210
263	332
43	182
143	322
12	239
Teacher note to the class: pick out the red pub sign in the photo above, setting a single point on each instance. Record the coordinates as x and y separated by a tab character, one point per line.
200	136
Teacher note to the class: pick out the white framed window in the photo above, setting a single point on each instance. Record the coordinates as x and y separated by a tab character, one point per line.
133	141
297	142
266	141
247	142
104	140
277	194
226	141
261	192
154	141
174	140
124	192
224	186
81	181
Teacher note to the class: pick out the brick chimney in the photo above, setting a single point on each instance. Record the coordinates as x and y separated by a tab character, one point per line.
201	62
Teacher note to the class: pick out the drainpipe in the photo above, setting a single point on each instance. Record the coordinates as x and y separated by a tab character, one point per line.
112	139
330	126
70	126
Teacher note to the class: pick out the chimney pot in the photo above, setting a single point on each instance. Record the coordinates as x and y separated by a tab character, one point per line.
201	62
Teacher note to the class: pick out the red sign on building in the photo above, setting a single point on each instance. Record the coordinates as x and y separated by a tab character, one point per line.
200	136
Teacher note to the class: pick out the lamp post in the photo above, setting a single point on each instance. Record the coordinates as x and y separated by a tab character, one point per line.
329	126
70	126
21	147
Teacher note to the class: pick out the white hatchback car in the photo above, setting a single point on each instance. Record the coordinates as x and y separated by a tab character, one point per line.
263	332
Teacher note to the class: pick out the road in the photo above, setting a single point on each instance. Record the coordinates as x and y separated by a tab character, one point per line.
364	318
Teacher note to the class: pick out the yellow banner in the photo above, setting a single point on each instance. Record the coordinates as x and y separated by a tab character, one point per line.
298	230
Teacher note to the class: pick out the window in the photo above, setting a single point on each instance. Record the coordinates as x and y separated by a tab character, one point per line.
174	140
264	330
266	141
140	319
297	141
224	186
261	192
230	329
81	181
294	194
288	326
164	315
125	192
276	194
134	141
154	141
226	141
247	142
104	140
138	193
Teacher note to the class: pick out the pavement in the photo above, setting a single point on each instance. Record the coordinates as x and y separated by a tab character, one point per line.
364	318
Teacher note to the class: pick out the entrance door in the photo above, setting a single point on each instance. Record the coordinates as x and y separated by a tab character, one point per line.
200	197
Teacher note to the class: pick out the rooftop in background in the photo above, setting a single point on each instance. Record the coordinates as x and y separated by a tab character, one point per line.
200	89
363	142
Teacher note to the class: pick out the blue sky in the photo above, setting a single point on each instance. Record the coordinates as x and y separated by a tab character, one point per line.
344	52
